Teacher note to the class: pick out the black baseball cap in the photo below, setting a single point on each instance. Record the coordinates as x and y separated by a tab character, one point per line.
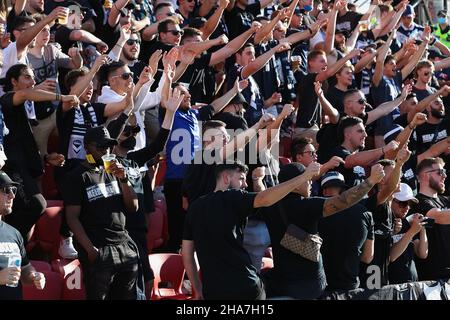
99	135
5	180
239	99
290	171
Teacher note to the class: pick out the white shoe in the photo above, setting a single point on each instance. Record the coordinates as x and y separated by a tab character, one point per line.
66	249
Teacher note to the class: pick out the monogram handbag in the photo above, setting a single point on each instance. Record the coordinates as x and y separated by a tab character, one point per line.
300	242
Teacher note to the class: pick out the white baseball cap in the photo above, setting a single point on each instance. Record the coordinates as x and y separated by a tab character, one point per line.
405	194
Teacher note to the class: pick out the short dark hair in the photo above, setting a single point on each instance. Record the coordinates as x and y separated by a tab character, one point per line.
314	54
19	21
246	45
234	166
162	5
386	163
428	163
163	24
107	69
389	58
348	94
346	122
298	146
190	32
212	124
13	72
73	75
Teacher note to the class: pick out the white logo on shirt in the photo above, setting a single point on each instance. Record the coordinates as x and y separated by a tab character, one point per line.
102	190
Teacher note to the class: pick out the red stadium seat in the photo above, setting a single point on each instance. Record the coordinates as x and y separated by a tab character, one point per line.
72	278
160	173
46	235
49	189
168	268
284	161
51	291
157	226
41	266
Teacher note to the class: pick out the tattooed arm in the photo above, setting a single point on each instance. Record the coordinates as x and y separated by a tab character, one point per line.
351	196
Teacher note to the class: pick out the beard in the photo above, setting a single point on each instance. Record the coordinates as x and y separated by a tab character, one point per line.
436	186
128	56
437	114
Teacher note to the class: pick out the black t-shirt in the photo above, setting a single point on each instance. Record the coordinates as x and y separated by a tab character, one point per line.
427	134
352	176
348	21
344	235
200	77
102	208
137	68
383	219
11	19
72	126
252	95
11	243
20	147
62	36
267	77
147	49
309	110
403	269
327	137
200	178
336	97
422	94
409	173
215	223
402	120
437	264
290	268
238	20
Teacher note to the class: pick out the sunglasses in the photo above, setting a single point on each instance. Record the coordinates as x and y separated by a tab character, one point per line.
130	42
125	75
176	32
9	190
426	74
402	204
441	172
312	153
362	101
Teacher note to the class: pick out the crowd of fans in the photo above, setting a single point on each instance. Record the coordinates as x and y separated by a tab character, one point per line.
268	114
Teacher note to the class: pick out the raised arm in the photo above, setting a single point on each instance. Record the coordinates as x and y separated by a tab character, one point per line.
225	99
418	55
363	158
19	6
116	51
303	35
27	37
353	195
394	178
391	20
260	61
233	46
435	150
331	70
381	57
387	107
327	107
420	107
331	28
213	21
272	195
268	27
114	13
364	61
39	95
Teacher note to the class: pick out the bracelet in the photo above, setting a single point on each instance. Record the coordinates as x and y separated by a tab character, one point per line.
409	125
58	96
119	45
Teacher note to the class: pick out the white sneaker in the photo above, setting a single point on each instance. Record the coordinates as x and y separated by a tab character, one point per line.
66	249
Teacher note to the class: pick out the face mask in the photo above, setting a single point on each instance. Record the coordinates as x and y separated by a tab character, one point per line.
442	20
308	8
129	143
437	114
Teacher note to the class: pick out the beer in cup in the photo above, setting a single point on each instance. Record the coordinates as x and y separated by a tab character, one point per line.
63	20
295	62
107	158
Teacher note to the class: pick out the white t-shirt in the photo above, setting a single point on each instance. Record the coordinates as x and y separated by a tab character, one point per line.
10	58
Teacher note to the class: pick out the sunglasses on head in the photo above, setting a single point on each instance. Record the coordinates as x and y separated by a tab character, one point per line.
130	42
176	32
441	172
125	75
9	190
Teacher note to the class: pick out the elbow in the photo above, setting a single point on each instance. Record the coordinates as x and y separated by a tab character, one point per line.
133	206
76	35
423	255
334	119
367	258
262	200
